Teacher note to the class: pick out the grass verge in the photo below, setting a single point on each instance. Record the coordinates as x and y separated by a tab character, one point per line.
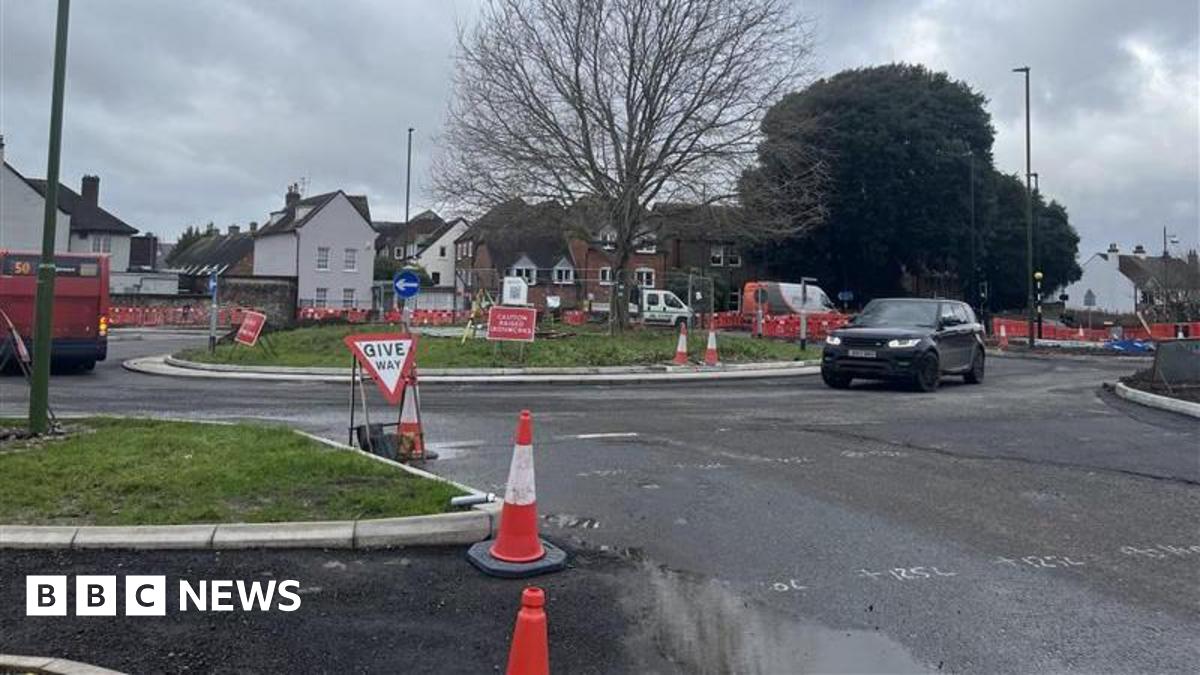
144	472
322	346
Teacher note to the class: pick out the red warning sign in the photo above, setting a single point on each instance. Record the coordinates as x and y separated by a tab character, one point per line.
517	324
251	328
388	357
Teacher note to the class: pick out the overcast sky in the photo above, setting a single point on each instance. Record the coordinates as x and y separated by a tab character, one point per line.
206	110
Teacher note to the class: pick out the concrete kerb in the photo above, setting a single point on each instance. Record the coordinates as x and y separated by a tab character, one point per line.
458	527
1156	401
168	365
50	665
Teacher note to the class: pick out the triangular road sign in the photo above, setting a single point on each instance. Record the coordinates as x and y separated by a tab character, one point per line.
387	357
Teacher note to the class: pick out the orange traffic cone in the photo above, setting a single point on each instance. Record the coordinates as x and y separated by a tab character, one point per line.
681	346
517	550
1003	337
518	540
412	438
710	354
530	651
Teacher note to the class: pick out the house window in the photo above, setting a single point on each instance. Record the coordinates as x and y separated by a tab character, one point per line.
529	274
735	300
347	298
606	276
412	250
322	298
101	243
732	257
564	275
322	257
716	256
436	278
351	260
608	239
646	245
441	251
398	253
645	277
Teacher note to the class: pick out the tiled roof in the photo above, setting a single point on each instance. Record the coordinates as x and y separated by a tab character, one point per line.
85	217
288	222
215	252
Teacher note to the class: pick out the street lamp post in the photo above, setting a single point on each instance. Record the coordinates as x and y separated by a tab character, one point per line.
408	177
1037	278
1038	263
39	388
1028	214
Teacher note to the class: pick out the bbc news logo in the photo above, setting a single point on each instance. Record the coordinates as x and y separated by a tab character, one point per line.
146	595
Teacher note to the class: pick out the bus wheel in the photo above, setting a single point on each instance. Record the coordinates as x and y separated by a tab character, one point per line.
87	365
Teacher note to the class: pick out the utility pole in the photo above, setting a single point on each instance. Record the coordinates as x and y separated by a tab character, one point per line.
39	390
1028	216
1037	225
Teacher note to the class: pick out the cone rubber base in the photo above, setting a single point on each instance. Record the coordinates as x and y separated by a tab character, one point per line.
480	556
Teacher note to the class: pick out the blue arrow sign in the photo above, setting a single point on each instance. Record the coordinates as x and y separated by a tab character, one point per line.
212	283
406	284
845	296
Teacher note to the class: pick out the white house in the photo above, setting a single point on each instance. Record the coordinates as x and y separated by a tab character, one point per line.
425	240
326	243
22	210
1122	283
82	225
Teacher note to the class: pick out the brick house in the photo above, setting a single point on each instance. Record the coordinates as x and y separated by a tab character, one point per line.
708	241
557	252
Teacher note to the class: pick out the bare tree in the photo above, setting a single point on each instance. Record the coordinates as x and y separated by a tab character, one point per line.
627	103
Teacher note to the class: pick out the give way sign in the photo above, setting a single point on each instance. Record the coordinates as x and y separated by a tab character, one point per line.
388	357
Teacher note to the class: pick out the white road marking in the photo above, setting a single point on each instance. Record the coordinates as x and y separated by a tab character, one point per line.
614	434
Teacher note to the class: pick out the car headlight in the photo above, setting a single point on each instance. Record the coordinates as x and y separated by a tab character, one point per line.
833	340
903	344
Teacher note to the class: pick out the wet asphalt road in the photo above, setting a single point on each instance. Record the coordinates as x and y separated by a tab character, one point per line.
1029	524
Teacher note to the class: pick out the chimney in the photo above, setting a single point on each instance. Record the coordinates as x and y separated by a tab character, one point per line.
234	229
1193	259
1139	251
1112	248
293	195
90	190
253	226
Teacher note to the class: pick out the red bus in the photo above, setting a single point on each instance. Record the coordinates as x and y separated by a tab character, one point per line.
80	333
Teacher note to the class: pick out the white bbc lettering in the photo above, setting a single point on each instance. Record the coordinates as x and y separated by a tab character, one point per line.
46	595
145	595
198	598
95	595
288	590
222	595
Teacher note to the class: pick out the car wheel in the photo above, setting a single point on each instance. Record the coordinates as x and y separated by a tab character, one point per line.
835	380
975	374
928	373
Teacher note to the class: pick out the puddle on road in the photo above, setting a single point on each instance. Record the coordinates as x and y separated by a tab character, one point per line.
704	627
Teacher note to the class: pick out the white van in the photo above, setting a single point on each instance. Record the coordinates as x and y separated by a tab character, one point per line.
662	308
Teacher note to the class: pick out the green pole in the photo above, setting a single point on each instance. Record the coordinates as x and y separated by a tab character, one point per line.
39	394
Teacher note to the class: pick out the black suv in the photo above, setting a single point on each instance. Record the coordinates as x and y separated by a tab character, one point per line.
906	339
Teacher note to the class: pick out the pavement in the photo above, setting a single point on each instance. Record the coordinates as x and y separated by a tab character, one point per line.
1032	523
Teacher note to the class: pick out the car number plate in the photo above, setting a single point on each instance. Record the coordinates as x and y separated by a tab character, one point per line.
862	353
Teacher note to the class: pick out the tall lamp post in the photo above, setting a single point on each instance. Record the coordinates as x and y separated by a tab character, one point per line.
1028	215
39	389
408	176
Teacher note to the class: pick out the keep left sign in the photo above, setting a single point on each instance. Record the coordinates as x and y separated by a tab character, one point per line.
388	357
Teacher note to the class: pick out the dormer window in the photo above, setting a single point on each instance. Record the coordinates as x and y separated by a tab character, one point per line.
608	240
647	245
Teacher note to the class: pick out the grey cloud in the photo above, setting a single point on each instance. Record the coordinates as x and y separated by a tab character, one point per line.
198	111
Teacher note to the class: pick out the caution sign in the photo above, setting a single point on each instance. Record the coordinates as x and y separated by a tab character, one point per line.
388	357
251	328
517	324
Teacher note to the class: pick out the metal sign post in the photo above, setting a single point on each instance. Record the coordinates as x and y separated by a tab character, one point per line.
212	315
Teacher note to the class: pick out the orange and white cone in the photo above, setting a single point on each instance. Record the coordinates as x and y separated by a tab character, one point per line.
517	550
710	353
1003	336
530	651
517	540
412	437
681	346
